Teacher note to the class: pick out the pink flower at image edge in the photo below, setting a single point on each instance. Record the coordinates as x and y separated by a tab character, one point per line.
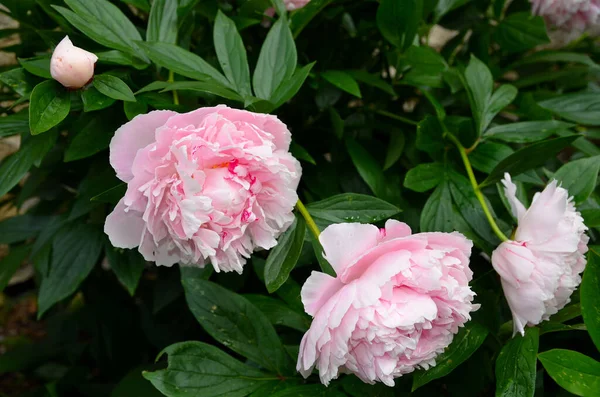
212	185
396	303
541	267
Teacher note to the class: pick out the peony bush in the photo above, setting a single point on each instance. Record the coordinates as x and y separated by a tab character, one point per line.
299	198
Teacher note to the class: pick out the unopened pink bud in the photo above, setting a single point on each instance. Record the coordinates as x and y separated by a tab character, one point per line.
72	66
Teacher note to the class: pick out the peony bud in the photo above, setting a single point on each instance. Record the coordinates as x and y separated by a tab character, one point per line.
72	66
541	267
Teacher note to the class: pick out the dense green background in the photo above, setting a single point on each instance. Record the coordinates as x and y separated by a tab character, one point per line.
373	110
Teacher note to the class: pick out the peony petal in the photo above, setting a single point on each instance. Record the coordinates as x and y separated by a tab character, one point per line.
131	137
513	262
510	191
124	229
317	290
344	242
396	229
541	220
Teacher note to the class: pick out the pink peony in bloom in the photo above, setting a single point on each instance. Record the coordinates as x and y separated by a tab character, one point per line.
568	19
541	268
213	184
72	66
396	303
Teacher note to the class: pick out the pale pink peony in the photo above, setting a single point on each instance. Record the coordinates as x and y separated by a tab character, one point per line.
213	184
396	303
568	19
541	268
72	66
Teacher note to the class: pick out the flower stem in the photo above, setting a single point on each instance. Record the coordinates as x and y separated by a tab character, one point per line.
175	94
310	222
475	185
395	117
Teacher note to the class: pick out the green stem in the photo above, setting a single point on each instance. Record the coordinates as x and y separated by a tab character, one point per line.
396	117
310	222
175	94
475	185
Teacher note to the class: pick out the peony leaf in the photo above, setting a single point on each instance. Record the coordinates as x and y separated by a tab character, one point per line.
579	177
232	54
232	320
283	257
162	22
49	104
465	343
590	299
199	369
398	21
113	87
573	371
516	365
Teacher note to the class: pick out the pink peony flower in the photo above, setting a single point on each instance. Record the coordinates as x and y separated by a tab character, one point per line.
396	303
568	19
72	66
213	184
541	268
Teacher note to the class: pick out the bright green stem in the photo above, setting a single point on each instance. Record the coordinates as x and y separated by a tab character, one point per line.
475	185
175	94
310	222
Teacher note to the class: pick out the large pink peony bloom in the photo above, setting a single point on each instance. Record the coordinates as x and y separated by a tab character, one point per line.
212	184
396	303
568	19
540	269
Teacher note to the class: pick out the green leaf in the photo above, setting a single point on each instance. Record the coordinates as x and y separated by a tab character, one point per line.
127	265
49	105
398	21
104	23
182	62
590	299
283	257
32	151
162	22
374	80
343	81
516	366
287	89
134	383
430	137
427	67
302	17
503	96
529	157
582	108
94	136
113	87
579	177
112	195
14	124
465	343
199	369
395	149
337	123
480	84
573	371
39	66
116	57
526	131
210	87
318	250
442	7
133	109
521	31
236	323
557	56
308	391
424	177
232	54
301	154
280	7
488	155
591	217
355	387
95	100
11	262
75	251
19	81
367	167
277	60
279	313
351	207
21	227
